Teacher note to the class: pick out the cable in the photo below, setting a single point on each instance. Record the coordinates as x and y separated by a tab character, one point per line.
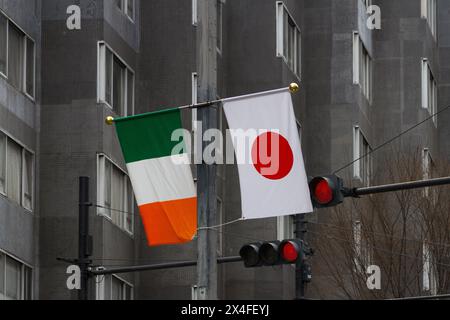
199	229
221	225
392	140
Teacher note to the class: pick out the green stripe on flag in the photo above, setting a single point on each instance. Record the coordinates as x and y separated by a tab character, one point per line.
148	136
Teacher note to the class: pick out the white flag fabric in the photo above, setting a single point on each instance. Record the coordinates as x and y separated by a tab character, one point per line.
266	140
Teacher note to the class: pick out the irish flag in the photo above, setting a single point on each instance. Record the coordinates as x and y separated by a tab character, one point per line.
162	182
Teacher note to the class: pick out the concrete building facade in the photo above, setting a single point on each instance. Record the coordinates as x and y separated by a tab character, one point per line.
59	80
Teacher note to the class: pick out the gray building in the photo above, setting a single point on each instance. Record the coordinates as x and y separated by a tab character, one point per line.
60	80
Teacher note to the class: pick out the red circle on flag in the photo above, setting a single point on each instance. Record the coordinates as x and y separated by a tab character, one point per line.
272	156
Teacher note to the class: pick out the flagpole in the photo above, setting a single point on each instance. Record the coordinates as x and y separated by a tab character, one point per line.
293	88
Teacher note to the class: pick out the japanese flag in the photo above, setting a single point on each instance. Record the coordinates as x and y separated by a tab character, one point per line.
266	141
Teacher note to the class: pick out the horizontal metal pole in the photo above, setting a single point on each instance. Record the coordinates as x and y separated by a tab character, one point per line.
397	187
161	266
436	297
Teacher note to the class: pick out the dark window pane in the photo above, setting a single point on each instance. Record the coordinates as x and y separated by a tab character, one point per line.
118	86
130	94
120	4
28	284
3	23
108	76
15	63
30	67
12	279
130	9
14	170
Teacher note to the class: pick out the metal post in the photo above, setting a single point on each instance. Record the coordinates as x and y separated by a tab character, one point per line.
160	266
83	237
357	192
300	231
206	185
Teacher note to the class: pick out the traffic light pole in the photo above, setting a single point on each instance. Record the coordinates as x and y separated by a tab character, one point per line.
83	237
300	285
358	192
161	266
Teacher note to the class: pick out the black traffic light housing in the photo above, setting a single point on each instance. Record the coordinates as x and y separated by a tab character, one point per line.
326	191
274	253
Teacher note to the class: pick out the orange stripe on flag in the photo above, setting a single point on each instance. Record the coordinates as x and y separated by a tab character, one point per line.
170	222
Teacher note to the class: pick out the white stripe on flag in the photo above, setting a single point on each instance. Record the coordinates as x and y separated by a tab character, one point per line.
162	179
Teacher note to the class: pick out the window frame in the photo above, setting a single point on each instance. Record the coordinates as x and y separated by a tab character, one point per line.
429	90
24	149
23	59
101	79
296	66
23	266
101	169
430	15
124	9
100	288
219	26
358	153
428	166
194	13
5	75
362	66
429	274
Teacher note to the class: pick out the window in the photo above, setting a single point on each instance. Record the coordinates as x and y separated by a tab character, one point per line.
2	163
115	194
429	90
3	45
16	172
429	10
17	57
127	7
194	12
362	169
15	62
362	250
428	173
111	287
15	279
27	195
429	275
29	67
116	82
288	39
219	25
362	67
285	227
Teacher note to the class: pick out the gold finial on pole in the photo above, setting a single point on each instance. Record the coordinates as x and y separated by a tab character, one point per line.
294	88
109	121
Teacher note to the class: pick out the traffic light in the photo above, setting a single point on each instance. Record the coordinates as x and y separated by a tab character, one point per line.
273	253
326	191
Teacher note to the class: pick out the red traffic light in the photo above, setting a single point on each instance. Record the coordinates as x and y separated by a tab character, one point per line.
290	251
323	192
326	191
